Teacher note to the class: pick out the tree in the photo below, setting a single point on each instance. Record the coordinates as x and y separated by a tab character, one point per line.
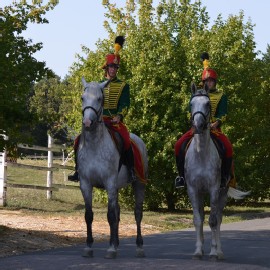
49	107
160	60
253	147
18	68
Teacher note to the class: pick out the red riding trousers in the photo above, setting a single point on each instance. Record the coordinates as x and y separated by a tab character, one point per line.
120	128
217	133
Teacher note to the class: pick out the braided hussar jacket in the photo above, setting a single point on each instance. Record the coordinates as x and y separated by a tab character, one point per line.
116	98
218	105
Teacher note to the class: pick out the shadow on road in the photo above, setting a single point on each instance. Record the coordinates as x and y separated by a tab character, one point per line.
242	249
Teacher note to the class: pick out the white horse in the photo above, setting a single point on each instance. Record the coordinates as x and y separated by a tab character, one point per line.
98	166
203	175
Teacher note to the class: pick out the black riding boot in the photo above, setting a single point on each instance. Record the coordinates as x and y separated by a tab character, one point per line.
74	177
130	165
180	179
225	171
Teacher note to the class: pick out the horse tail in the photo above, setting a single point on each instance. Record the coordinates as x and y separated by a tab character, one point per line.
237	194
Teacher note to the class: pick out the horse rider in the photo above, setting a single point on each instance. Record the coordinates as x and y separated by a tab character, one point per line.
116	104
218	102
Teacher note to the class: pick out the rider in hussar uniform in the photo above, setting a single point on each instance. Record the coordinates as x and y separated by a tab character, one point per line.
218	116
116	104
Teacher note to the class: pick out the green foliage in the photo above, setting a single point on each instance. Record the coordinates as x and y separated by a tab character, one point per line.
68	202
253	147
49	103
18	68
160	59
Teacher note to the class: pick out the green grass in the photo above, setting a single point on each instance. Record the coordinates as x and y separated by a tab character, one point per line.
63	200
66	202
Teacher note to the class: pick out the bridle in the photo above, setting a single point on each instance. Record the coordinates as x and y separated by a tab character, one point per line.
97	112
204	115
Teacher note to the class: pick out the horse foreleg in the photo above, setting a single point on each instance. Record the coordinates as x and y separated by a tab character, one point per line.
113	217
138	213
197	204
199	235
89	216
88	251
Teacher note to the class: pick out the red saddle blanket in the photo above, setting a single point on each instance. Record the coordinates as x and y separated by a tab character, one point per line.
138	163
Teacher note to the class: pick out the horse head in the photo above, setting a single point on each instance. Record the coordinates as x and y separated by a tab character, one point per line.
92	103
200	108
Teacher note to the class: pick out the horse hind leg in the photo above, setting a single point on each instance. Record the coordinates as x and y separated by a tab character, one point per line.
214	225
139	189
213	255
221	204
216	252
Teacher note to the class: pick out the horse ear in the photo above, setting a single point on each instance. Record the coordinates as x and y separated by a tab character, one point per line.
206	88
104	84
84	82
193	88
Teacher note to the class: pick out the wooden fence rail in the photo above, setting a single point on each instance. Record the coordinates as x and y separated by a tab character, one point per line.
50	169
53	148
32	187
40	168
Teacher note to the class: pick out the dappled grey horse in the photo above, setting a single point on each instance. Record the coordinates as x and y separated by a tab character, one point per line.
98	166
203	175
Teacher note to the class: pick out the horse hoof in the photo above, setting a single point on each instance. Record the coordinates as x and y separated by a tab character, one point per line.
110	255
213	258
221	256
140	253
88	252
197	257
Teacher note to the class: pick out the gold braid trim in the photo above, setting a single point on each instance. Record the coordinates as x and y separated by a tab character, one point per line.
215	99
112	95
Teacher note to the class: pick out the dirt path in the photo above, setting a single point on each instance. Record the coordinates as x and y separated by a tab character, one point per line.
27	233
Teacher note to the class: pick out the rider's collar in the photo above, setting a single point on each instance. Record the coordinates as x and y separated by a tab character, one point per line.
114	79
212	90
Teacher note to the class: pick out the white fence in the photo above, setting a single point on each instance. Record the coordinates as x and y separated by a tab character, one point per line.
3	178
50	168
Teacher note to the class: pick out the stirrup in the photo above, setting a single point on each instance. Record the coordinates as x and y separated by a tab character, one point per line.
179	182
74	177
132	176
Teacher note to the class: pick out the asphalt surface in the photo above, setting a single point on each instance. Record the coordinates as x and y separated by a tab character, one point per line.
246	245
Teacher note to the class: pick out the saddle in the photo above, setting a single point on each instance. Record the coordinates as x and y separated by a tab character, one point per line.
118	140
218	143
138	162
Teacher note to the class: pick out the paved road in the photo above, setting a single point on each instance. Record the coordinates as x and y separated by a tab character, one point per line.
246	245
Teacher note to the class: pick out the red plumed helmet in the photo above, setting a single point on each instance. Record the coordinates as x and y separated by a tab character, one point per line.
114	58
209	73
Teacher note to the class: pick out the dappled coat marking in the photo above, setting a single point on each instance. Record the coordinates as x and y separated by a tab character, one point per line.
203	175
98	166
